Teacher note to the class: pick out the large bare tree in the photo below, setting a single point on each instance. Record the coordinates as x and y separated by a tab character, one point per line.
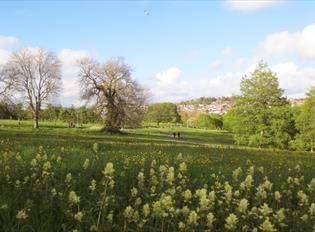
117	96
37	77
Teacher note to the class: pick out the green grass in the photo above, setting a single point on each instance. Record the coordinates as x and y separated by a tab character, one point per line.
206	152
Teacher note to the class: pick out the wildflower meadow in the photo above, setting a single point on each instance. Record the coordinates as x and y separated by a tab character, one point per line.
166	186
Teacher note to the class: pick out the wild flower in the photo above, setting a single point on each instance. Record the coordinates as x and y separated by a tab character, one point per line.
304	217
170	176
73	198
311	186
21	215
95	147
34	163
47	166
146	210
185	210
140	179
92	185
231	222
265	209
210	220
267	226
187	195
86	164
68	178
193	218
312	209
247	183
242	206
134	192
181	225
109	169
236	173
277	196
303	198
183	167
78	216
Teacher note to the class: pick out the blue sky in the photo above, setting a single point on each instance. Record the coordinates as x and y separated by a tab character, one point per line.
180	50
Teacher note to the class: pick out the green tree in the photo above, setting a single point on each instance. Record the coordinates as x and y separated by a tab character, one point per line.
262	116
305	123
162	112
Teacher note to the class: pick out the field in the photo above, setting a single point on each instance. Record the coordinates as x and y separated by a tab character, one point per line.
80	179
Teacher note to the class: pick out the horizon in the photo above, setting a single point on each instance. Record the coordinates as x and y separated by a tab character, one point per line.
180	50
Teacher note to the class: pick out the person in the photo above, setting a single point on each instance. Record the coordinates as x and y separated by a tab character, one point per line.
178	135
174	135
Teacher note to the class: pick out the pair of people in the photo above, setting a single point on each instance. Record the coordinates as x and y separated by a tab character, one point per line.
176	134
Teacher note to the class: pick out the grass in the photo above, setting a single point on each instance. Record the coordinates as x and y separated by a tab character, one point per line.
206	152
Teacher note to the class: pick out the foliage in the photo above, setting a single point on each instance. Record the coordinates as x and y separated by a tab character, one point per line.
212	121
162	112
305	123
261	116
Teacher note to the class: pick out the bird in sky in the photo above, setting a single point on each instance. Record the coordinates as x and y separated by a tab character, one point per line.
146	12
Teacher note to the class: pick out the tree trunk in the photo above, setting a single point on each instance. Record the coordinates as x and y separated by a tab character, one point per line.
36	119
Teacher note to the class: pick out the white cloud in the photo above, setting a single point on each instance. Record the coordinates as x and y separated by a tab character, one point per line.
169	86
293	79
250	5
227	51
283	43
71	89
7	41
215	64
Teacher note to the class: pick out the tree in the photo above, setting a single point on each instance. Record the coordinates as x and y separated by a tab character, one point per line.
162	112
305	123
262	116
117	96
37	77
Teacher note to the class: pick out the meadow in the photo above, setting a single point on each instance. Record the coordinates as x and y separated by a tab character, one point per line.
81	179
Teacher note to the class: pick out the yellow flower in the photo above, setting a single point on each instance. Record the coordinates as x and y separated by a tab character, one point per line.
193	218
109	169
86	164
146	210
78	216
267	226
231	222
21	215
277	196
73	198
187	195
242	206
210	220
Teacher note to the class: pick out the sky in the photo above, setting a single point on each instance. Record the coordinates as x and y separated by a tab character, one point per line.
179	50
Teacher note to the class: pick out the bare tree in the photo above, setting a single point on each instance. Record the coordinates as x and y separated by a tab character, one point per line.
5	83
116	95
37	77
